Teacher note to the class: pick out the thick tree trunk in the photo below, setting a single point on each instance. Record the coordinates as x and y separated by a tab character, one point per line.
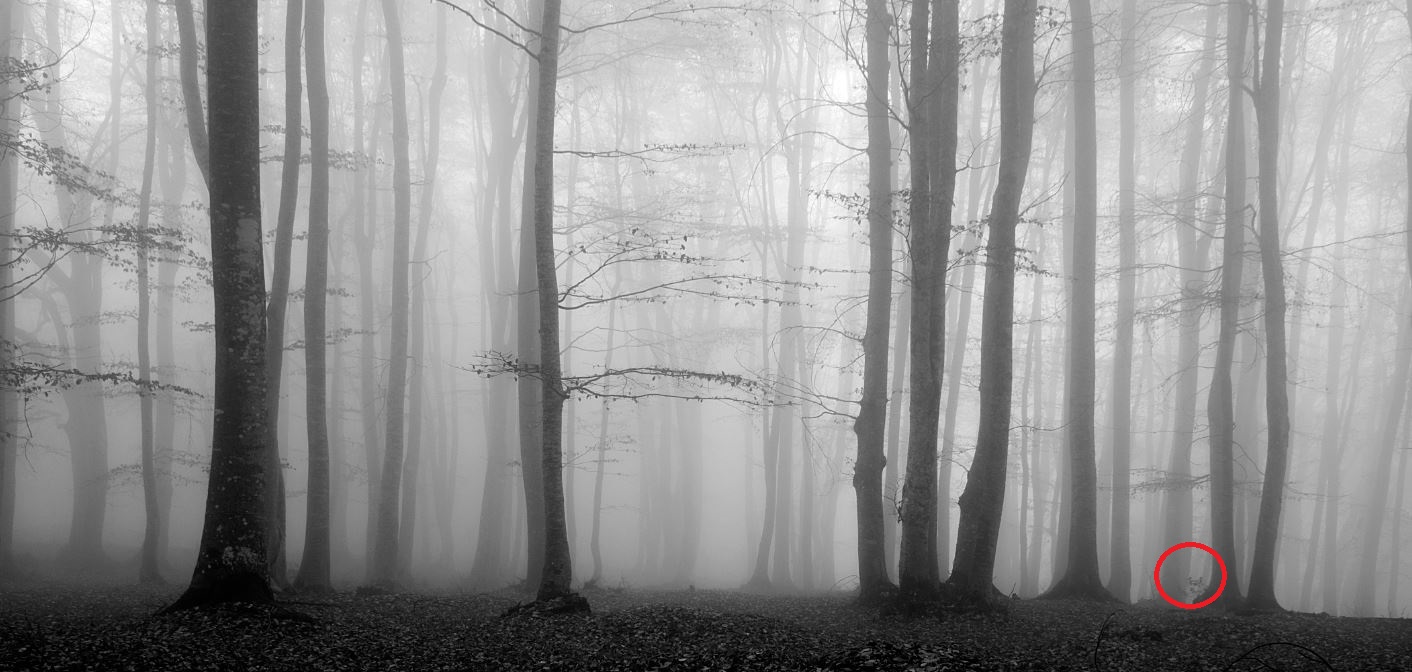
983	500
230	563
873	582
384	565
315	567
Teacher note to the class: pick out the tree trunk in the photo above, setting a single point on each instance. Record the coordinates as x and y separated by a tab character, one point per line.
230	563
983	500
1120	561
11	22
385	546
149	570
935	73
530	388
279	284
1262	576
1220	404
315	567
191	86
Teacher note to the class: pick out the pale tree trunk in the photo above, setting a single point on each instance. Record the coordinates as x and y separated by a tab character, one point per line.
983	499
315	567
935	76
1080	577
149	570
1220	404
1177	523
171	159
230	563
497	282
279	284
384	565
605	415
873	583
1262	576
11	21
1120	561
417	347
82	288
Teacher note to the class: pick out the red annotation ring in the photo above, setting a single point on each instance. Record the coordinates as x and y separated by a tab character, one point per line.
1157	575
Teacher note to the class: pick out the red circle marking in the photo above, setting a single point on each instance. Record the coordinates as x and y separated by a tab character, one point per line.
1157	575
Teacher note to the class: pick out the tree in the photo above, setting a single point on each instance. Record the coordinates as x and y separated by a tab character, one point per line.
1080	575
384	563
230	562
191	86
1120	561
936	92
983	499
314	569
279	282
149	570
873	582
1267	91
1220	404
10	21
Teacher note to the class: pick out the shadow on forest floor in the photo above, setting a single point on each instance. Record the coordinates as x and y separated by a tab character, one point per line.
45	626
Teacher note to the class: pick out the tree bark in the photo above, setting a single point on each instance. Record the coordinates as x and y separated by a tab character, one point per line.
873	583
279	283
315	567
230	563
149	570
1262	576
191	87
935	68
983	499
1220	404
1120	561
11	21
384	566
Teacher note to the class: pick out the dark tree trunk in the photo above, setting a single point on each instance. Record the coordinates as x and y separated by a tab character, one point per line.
873	583
230	563
983	500
315	568
11	20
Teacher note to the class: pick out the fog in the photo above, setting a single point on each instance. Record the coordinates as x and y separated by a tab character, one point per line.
710	204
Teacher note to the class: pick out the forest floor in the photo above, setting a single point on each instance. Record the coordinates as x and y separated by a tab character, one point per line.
48	626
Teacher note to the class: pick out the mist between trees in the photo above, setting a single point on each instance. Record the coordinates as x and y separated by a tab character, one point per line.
951	300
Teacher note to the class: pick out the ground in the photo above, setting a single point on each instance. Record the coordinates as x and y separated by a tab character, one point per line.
46	626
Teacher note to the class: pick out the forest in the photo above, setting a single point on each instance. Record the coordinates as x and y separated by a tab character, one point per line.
754	334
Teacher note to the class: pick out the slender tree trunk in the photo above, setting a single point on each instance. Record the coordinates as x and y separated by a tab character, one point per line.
1262	577
384	565
315	567
1177	523
150	566
983	500
230	563
1220	406
873	583
11	22
1120	561
279	283
191	86
935	73
527	309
